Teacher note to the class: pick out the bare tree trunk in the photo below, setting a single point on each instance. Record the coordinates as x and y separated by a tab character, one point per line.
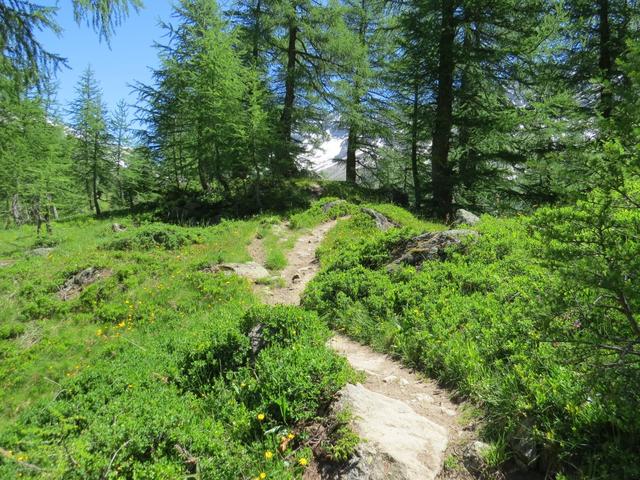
605	61
16	212
351	155
417	186
52	207
202	176
441	174
286	119
94	177
256	34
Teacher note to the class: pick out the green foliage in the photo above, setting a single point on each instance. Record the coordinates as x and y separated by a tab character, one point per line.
155	235
153	364
342	442
480	322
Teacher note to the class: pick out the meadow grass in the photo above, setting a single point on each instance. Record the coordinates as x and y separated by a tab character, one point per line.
150	361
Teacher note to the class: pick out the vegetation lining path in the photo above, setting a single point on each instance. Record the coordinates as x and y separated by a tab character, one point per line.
407	421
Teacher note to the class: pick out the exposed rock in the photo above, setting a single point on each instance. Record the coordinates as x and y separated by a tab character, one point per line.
524	446
400	443
473	458
329	205
41	252
448	411
6	263
116	227
76	283
466	217
429	246
257	340
424	397
390	379
316	190
251	270
382	222
370	463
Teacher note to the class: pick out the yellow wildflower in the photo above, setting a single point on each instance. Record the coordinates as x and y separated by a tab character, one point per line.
303	461
290	436
261	417
268	454
99	332
262	475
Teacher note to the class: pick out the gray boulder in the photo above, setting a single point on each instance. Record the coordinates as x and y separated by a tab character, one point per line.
251	270
429	246
76	283
41	252
398	443
465	217
473	456
316	190
329	205
382	222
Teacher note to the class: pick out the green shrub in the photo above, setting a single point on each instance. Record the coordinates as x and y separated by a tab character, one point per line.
486	322
46	242
11	330
168	237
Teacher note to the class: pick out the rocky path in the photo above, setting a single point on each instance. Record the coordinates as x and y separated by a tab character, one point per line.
406	421
301	267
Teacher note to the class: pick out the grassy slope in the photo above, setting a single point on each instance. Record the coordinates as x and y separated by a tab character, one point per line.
157	355
151	362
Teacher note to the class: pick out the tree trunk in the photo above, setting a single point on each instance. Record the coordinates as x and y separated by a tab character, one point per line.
469	157
16	212
256	33
351	154
52	207
357	97
605	61
417	186
286	120
441	174
94	178
202	175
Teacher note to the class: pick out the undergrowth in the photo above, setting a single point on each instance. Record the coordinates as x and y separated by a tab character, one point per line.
480	323
149	372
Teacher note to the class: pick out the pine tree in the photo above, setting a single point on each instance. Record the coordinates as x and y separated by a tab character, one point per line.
35	163
92	138
120	131
359	88
197	110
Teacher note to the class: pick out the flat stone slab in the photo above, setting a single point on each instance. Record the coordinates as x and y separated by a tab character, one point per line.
41	252
409	445
251	270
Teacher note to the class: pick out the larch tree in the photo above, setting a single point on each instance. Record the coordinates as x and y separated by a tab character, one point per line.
89	123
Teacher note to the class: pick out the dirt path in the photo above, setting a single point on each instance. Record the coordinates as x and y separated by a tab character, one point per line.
408	423
301	266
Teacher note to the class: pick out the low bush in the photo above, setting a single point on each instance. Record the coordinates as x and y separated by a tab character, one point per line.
168	237
485	323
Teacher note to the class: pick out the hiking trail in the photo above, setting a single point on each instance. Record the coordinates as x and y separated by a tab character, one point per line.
408	424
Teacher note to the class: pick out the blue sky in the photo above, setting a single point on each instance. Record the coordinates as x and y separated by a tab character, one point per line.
127	60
